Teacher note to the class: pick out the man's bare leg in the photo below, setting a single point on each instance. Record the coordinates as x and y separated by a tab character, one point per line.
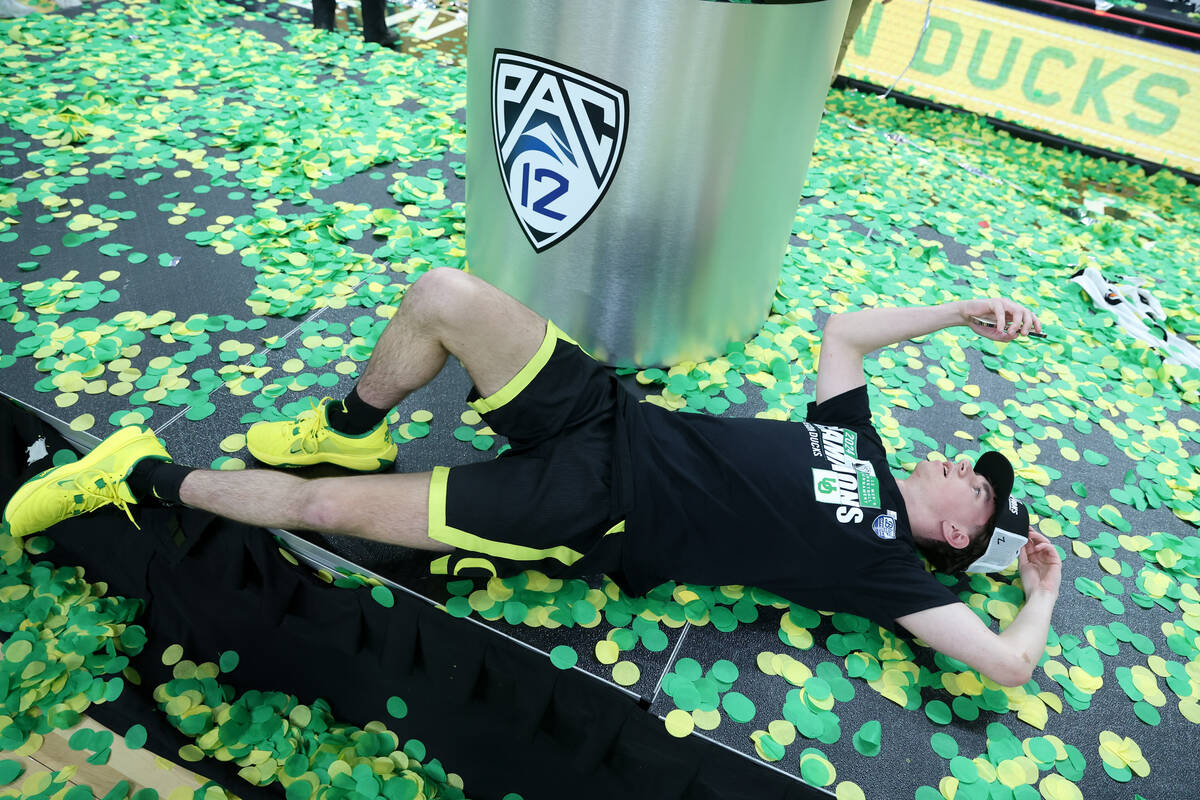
385	508
448	312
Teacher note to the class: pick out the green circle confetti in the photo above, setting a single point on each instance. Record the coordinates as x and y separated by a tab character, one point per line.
564	656
383	595
135	737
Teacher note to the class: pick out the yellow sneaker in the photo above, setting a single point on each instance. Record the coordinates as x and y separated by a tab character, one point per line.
308	439
96	480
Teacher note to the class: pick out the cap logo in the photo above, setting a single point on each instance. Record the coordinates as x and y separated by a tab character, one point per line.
1012	504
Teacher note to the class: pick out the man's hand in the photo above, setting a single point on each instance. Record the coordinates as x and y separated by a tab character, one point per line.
1040	566
1011	319
1010	657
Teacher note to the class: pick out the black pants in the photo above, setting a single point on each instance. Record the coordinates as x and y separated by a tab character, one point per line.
374	27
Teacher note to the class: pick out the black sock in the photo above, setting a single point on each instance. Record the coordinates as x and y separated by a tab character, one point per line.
353	416
153	478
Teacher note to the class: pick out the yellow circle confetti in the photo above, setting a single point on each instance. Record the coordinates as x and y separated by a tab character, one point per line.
782	731
679	723
83	422
1056	787
848	790
626	673
233	442
607	651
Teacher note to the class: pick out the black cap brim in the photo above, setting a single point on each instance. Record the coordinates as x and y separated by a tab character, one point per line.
1010	515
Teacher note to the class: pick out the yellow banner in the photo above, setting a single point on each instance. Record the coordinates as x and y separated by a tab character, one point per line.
1101	88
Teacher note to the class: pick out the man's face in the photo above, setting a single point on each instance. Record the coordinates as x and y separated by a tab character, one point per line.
955	492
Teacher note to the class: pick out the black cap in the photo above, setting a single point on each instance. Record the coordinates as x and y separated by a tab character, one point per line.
1011	516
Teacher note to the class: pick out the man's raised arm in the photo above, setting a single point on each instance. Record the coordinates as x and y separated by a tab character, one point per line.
1010	657
849	337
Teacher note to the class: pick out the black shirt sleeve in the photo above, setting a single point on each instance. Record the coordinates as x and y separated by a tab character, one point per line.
895	588
850	409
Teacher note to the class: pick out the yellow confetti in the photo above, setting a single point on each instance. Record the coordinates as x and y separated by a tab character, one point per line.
83	422
782	731
1033	711
1085	681
1011	774
848	790
707	720
172	654
607	652
1052	701
1056	787
1147	684
679	723
1051	528
626	673
233	442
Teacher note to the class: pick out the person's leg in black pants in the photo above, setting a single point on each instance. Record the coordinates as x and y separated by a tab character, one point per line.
375	27
323	14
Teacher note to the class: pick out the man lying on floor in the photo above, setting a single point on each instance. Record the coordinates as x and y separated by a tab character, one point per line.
596	482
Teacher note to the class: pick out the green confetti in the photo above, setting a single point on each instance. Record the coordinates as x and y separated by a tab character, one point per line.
383	595
738	707
564	656
135	737
10	770
867	740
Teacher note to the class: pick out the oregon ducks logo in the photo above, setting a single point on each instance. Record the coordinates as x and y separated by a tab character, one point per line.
826	487
559	138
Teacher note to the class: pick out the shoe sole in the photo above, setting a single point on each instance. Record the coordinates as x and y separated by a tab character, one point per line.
106	448
357	464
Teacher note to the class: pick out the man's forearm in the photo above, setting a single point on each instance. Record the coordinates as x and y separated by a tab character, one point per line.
1026	636
872	328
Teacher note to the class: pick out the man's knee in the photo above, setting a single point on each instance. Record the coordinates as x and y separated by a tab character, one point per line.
440	295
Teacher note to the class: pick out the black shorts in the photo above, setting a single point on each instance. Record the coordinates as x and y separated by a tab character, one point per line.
549	503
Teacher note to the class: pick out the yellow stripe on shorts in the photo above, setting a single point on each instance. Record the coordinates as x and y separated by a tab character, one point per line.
518	382
441	532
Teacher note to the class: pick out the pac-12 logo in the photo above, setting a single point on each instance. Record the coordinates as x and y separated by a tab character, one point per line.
559	138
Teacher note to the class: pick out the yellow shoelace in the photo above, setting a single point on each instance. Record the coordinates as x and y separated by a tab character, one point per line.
108	493
316	431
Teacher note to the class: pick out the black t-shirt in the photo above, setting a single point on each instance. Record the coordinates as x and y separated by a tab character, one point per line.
806	510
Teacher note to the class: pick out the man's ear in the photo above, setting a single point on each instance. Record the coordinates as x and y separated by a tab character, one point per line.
955	535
